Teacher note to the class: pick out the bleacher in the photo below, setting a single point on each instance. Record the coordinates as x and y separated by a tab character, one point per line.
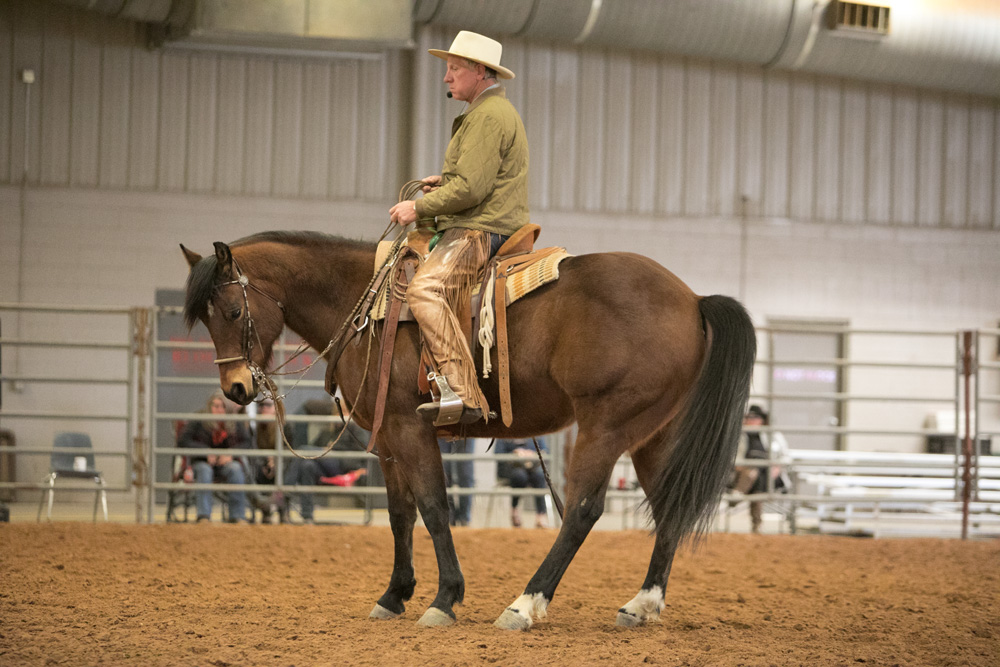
877	493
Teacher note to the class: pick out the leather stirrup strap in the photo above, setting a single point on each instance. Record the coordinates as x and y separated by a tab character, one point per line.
503	364
385	364
505	267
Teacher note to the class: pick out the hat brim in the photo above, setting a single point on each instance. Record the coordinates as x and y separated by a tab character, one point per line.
502	72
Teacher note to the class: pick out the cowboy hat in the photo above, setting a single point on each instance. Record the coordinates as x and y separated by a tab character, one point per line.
477	48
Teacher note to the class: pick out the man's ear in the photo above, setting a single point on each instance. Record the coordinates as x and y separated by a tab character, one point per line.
191	256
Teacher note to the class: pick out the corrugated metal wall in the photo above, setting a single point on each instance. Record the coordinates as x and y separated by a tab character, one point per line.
624	133
610	131
106	112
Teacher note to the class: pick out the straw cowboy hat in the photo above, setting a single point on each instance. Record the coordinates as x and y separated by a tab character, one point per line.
476	48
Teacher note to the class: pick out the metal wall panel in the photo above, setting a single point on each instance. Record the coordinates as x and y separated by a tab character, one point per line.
7	79
373	179
231	125
85	105
802	161
538	117
203	86
116	74
592	131
878	195
777	144
565	147
173	121
260	124
316	156
642	173
618	103
55	96
697	138
611	131
723	155
956	162
829	154
344	148
750	134
854	154
905	112
26	116
982	177
144	120
106	112
287	163
670	142
930	152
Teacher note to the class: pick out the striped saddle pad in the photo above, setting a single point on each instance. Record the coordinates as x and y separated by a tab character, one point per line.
520	282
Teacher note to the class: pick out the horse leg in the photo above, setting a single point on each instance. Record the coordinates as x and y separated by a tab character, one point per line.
419	459
402	517
592	464
647	605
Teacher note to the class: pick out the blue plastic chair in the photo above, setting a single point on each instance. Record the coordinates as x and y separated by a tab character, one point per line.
73	465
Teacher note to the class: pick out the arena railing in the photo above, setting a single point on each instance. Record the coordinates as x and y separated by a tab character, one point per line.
369	495
58	368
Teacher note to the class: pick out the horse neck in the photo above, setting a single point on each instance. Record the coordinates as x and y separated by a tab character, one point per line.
321	283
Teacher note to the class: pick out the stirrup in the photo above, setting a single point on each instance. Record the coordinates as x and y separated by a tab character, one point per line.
449	409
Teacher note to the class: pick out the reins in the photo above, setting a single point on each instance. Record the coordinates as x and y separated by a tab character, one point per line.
337	343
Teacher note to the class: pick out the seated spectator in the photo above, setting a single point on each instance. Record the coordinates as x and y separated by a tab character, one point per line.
460	472
523	474
217	433
334	471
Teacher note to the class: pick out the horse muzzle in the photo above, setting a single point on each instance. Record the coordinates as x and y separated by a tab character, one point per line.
239	385
238	393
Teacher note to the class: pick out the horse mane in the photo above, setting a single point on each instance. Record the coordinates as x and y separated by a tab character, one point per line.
201	280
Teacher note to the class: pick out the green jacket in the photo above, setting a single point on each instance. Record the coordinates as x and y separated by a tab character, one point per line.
484	181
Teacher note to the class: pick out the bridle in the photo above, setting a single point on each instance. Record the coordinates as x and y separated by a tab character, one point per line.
249	331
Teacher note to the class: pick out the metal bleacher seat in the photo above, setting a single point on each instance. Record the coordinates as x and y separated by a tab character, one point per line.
73	465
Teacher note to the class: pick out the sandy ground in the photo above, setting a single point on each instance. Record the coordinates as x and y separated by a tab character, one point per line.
80	594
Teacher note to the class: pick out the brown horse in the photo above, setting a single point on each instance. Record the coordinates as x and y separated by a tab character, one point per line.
618	344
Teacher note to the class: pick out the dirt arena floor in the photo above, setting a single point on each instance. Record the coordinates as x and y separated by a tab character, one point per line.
79	594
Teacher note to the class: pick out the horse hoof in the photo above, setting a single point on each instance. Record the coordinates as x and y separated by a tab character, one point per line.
511	620
627	620
435	618
380	613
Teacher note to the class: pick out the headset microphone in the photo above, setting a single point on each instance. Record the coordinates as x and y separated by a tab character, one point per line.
449	95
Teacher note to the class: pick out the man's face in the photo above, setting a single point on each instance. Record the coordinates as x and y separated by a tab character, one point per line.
462	79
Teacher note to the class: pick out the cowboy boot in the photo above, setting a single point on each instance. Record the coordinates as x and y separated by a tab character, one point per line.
449	409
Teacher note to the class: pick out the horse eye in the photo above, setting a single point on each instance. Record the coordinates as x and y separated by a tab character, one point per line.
234	314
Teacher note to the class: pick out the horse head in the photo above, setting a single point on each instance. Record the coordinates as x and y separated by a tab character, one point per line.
241	315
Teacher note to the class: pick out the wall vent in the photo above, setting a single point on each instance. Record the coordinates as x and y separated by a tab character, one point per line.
860	18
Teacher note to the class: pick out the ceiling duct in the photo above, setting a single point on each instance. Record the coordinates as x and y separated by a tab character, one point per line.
944	44
300	26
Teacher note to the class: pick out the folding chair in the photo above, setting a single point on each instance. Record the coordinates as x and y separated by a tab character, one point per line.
74	465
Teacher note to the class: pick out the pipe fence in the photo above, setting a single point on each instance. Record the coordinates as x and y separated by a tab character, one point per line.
881	384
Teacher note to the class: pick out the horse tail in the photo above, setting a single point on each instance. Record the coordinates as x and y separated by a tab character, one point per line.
685	496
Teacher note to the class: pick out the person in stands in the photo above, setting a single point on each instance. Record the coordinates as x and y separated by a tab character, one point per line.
216	432
522	474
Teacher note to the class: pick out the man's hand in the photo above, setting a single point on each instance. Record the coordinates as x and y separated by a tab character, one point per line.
404	212
433	183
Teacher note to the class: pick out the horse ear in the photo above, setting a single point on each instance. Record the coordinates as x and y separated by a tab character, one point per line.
224	256
191	256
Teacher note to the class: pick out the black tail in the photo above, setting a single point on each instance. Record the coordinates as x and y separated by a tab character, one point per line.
686	495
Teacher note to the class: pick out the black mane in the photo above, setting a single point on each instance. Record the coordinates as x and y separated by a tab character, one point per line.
201	280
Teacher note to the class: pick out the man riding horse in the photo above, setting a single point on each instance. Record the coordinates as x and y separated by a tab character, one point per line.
478	201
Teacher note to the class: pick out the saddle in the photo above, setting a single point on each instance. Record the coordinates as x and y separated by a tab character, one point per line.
514	271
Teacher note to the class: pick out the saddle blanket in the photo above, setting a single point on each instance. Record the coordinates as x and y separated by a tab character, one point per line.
521	282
